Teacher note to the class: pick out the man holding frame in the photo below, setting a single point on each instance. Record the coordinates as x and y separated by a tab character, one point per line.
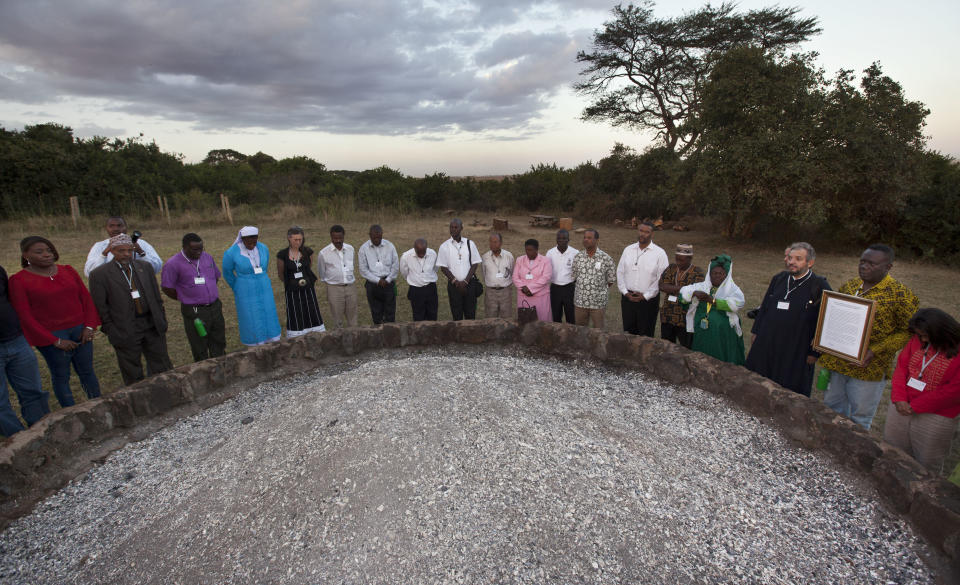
855	390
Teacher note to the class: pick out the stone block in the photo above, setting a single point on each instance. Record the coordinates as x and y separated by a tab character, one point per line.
935	511
395	334
851	444
96	417
898	477
433	333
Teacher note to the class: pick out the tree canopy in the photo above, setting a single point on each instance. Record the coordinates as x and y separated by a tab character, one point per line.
648	73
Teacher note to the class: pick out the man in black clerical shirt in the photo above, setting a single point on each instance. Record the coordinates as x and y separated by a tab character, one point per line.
786	322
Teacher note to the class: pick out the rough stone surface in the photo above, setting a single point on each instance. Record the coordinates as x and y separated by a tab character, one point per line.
466	465
68	442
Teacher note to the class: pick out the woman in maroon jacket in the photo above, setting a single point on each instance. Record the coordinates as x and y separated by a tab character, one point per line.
57	316
925	399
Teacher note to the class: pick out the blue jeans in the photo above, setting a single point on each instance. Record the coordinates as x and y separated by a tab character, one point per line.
59	363
18	365
854	398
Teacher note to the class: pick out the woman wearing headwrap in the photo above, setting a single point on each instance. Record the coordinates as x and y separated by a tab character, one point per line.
245	270
712	316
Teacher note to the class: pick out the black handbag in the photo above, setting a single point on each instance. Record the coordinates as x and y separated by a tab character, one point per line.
526	314
474	283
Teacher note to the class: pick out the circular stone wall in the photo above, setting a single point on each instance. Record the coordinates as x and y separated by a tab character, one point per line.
465	465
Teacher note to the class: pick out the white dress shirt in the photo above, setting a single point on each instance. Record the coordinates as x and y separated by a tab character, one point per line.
336	266
639	269
455	257
96	259
562	265
419	271
378	262
498	270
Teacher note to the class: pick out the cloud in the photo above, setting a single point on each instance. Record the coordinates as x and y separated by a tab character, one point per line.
388	67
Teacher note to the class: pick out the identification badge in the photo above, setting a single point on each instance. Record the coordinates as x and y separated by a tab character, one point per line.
704	323
298	275
499	275
672	298
135	294
916	384
379	264
199	280
783	306
257	270
529	276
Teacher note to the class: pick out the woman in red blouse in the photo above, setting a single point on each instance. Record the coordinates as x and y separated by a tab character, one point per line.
57	316
925	398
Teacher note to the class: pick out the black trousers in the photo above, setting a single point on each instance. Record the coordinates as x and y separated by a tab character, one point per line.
382	301
462	305
424	302
561	302
676	334
215	343
147	343
640	318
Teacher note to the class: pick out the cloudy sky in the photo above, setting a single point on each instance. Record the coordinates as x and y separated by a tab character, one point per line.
466	87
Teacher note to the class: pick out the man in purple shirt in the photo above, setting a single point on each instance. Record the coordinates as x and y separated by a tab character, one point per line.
190	276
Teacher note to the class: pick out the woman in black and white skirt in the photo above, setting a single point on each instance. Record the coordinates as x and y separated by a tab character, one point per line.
293	268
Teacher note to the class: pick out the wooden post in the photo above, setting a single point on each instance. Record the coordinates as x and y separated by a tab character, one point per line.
75	210
166	209
225	206
160	204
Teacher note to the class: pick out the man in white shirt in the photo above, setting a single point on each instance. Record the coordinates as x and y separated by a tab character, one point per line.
458	259
419	266
638	278
561	283
101	254
379	266
335	267
497	276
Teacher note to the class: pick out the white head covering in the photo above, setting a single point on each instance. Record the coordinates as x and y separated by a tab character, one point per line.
252	255
728	291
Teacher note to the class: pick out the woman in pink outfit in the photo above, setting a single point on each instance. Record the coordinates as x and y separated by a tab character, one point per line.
531	276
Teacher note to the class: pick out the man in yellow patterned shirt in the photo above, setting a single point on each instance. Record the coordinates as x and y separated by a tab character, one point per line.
855	391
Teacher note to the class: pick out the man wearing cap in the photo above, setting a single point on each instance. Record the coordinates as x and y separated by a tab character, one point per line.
127	297
673	316
101	253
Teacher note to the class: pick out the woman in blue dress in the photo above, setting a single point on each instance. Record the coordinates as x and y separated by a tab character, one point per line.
245	270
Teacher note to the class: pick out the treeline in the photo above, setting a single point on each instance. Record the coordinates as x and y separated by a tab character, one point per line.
782	150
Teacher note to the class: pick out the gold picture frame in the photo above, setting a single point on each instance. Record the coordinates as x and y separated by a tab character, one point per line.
844	326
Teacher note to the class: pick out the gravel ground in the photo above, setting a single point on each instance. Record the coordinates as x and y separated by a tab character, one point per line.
450	467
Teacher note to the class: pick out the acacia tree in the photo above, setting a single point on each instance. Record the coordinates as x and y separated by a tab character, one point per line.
761	138
648	73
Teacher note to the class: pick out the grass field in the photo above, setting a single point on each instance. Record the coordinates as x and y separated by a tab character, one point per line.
753	265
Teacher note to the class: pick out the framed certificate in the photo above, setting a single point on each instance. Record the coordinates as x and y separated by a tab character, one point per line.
844	325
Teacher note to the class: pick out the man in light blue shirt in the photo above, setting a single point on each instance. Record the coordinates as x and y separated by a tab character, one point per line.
379	266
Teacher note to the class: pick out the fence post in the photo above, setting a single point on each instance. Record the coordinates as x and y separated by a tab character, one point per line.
225	206
166	209
75	210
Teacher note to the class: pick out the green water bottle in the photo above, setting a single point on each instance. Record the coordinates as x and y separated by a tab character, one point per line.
201	329
823	379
